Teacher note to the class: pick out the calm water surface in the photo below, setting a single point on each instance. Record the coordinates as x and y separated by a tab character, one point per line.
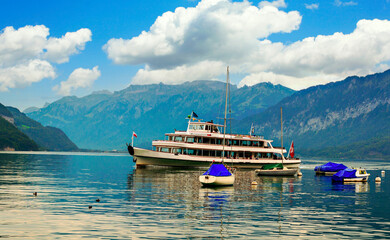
171	204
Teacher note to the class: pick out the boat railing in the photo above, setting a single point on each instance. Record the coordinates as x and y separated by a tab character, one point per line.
208	143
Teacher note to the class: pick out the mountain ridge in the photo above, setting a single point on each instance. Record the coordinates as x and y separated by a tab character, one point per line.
331	115
107	121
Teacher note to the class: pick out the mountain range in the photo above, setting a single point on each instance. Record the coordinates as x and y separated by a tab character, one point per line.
340	115
348	118
19	132
106	120
11	138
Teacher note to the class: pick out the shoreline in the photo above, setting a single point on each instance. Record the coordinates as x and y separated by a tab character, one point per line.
120	154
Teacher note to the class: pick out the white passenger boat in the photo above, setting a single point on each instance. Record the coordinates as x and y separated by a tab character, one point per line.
201	144
204	143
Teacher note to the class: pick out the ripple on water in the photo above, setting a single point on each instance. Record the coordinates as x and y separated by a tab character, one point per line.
171	204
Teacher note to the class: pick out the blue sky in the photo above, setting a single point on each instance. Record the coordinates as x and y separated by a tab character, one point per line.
294	43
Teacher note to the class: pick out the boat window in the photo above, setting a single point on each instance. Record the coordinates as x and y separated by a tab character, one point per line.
199	152
206	140
190	139
178	139
206	152
212	141
201	127
214	129
165	150
191	152
236	142
200	140
218	153
261	144
255	143
177	150
208	127
219	141
185	151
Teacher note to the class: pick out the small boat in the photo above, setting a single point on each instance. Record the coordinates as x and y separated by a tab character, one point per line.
351	175
275	170
217	175
278	169
329	168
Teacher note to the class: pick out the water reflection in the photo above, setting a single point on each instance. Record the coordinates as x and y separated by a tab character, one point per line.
171	203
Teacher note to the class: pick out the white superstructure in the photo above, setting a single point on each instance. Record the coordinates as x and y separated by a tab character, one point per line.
202	144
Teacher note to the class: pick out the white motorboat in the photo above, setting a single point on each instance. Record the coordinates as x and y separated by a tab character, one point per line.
217	175
351	175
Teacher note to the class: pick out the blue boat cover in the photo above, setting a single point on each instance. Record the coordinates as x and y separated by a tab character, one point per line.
217	170
330	167
346	173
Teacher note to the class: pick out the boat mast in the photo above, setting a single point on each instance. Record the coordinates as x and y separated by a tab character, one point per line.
281	131
224	119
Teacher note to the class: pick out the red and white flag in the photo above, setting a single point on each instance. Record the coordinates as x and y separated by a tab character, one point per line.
134	134
291	152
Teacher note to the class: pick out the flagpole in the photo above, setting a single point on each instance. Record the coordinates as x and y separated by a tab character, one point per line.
281	131
132	139
189	121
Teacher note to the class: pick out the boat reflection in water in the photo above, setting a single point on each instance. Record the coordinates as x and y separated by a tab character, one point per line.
358	187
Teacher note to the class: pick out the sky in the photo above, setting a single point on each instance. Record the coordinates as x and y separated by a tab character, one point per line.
51	49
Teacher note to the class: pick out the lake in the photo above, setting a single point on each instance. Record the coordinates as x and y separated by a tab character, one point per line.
164	203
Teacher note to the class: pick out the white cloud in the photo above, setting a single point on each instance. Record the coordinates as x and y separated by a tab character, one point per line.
277	4
206	70
285	80
23	75
213	30
197	43
23	44
312	6
330	58
59	49
340	3
79	78
26	54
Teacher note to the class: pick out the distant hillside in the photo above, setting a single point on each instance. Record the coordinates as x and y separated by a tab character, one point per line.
332	116
106	120
11	138
374	148
49	138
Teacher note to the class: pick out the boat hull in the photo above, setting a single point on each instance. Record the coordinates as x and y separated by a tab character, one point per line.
144	158
276	172
325	173
209	180
357	179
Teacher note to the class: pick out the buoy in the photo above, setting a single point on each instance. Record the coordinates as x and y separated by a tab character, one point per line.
90	207
383	173
378	179
299	173
254	183
35	194
98	200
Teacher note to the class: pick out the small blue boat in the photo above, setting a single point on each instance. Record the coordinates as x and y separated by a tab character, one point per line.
329	168
217	175
351	175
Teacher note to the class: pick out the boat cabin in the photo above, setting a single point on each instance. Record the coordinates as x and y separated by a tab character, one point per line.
208	127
